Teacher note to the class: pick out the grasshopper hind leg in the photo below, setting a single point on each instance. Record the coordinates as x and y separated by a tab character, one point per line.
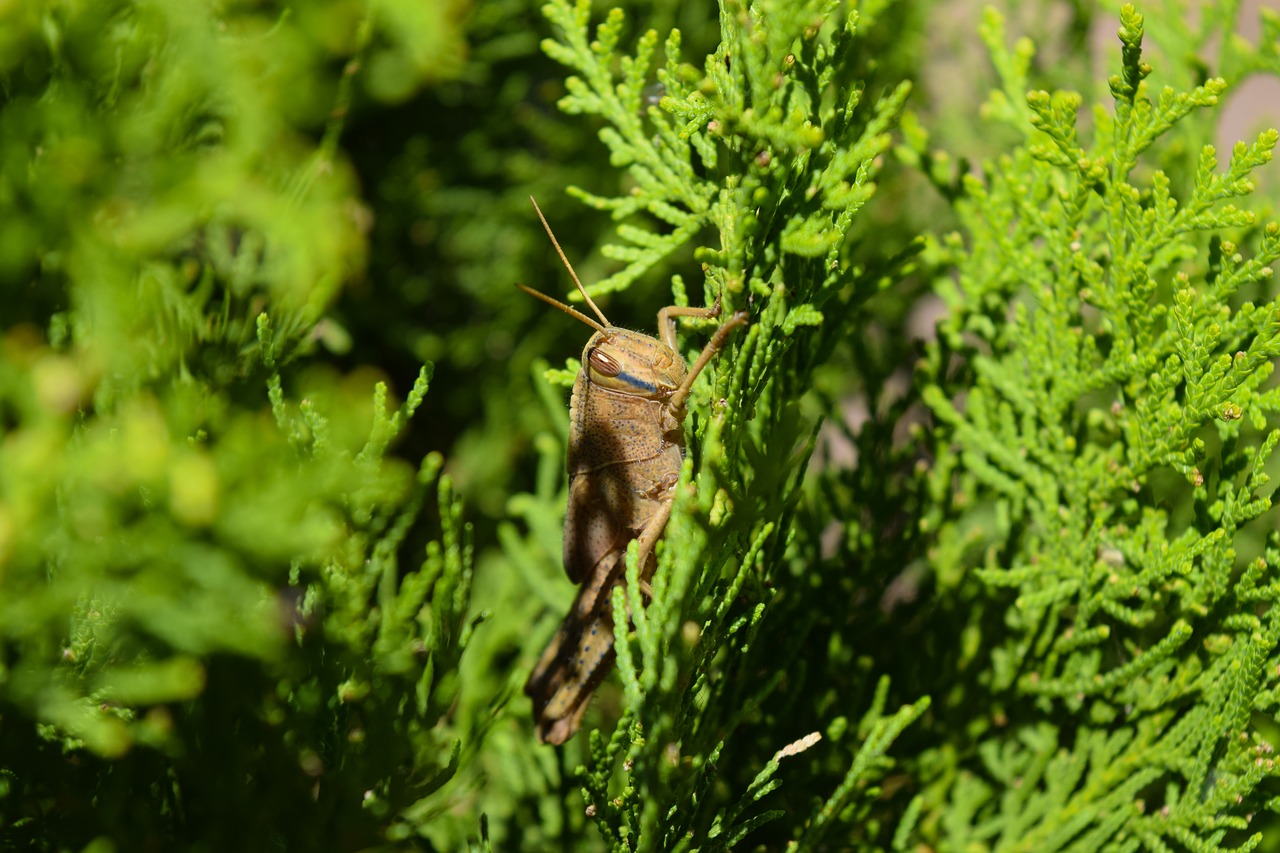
574	663
581	653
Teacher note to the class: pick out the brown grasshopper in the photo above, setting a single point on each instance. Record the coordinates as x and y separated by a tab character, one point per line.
626	444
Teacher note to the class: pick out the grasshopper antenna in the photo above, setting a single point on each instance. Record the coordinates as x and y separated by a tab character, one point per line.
572	312
603	320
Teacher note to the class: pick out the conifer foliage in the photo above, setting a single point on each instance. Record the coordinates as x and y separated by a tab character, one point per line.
281	448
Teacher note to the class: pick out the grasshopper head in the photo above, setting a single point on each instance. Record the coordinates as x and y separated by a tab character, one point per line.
632	363
617	359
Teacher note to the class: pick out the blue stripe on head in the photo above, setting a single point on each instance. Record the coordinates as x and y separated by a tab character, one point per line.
634	382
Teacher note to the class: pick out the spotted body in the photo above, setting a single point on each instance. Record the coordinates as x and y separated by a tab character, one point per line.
626	445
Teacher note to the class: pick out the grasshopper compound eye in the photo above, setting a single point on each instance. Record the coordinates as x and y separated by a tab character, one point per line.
603	363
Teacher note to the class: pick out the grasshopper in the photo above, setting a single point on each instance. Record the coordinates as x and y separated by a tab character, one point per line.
626	444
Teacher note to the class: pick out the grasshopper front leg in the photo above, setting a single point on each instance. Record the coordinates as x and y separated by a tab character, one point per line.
708	352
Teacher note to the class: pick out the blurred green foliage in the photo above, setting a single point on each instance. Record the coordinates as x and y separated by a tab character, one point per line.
973	547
